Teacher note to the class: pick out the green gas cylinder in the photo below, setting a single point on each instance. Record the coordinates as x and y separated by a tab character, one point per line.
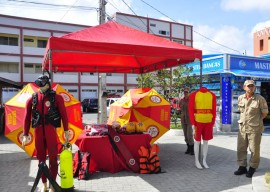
66	168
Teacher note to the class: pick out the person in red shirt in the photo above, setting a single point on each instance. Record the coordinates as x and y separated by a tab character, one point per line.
44	130
202	113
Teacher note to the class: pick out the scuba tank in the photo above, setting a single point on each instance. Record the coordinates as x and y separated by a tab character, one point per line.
66	169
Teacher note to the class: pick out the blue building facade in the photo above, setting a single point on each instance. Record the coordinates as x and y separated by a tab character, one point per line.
224	74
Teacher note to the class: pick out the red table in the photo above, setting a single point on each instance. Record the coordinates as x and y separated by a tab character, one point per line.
103	157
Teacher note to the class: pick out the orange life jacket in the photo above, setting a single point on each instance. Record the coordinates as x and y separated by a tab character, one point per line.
149	160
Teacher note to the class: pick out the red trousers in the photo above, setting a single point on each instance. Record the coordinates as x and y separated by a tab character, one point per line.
46	140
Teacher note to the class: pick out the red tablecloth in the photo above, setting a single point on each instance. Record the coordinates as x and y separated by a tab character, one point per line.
103	157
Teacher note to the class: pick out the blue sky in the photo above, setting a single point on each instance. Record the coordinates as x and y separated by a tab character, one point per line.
229	24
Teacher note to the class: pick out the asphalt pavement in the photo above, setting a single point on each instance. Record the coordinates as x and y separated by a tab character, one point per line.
18	171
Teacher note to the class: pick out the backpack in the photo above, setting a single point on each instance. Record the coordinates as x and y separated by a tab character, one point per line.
81	163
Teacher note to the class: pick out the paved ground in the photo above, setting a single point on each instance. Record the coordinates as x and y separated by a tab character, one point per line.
18	171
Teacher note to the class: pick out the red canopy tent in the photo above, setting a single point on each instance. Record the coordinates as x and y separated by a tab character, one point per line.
114	48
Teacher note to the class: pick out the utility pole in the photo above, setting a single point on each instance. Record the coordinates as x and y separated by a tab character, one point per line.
102	93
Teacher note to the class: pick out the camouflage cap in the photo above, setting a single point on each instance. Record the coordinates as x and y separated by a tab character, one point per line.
249	82
186	89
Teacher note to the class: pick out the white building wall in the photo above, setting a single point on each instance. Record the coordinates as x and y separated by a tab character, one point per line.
9	30
27	77
89	79
89	92
131	78
134	22
65	78
58	34
39	28
115	79
188	33
36	60
178	31
36	33
160	26
34	51
39	24
10	49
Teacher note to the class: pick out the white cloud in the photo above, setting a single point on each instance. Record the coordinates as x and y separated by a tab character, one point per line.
225	39
260	26
246	5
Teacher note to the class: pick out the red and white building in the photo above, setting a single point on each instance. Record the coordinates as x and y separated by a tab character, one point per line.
261	42
23	42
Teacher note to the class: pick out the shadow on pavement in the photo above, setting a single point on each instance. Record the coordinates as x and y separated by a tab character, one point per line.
15	168
18	171
180	173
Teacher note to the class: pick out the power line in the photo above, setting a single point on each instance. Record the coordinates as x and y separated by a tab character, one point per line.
130	21
137	16
193	29
68	10
53	5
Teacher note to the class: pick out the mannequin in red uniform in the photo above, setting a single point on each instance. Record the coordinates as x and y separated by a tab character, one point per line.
45	133
202	113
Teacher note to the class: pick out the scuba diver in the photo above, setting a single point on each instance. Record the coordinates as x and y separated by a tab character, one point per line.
45	110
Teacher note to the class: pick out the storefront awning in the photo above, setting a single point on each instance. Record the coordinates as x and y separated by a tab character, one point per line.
248	73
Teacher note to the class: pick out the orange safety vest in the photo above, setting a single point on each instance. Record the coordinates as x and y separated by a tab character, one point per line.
202	106
149	160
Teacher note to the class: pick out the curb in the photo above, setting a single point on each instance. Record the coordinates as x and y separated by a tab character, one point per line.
177	132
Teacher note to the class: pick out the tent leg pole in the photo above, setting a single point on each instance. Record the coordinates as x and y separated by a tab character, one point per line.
102	96
50	65
200	72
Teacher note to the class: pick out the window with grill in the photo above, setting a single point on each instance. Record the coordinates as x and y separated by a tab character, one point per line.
42	43
162	32
13	41
9	67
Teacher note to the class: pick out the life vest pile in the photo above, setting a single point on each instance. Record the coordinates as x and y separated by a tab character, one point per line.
149	160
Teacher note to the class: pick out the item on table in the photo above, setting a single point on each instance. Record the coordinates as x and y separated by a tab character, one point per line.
131	127
96	129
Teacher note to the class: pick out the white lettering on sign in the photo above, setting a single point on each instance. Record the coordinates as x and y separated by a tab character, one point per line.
196	67
259	65
263	32
211	65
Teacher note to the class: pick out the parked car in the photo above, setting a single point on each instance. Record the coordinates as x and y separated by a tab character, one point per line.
90	104
109	102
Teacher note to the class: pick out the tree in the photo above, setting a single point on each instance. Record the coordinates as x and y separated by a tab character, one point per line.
145	80
163	82
169	85
182	78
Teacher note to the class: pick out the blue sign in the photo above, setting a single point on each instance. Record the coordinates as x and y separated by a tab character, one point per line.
226	100
208	66
250	64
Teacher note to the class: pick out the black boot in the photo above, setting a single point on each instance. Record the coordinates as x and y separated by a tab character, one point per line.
241	170
191	149
250	172
188	149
